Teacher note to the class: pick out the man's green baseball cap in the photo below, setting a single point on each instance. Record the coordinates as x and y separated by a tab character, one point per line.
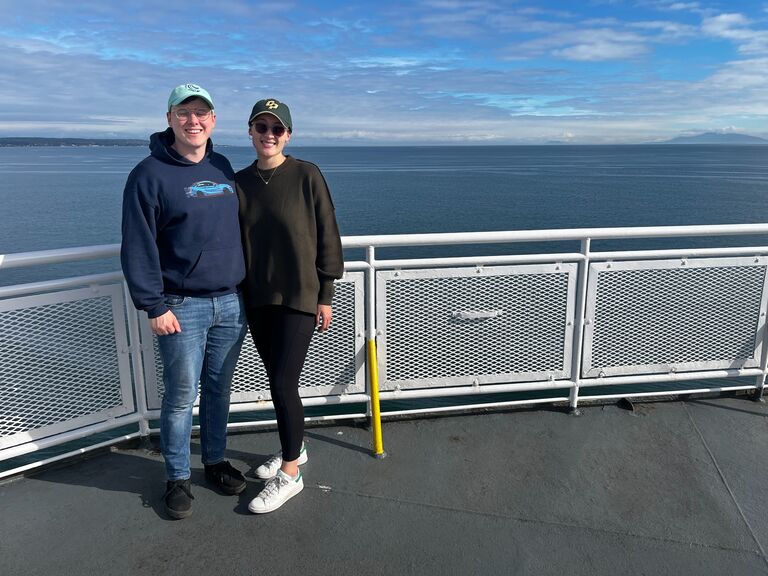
272	106
181	93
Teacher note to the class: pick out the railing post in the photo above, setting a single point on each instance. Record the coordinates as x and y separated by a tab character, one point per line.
373	361
137	366
578	329
760	380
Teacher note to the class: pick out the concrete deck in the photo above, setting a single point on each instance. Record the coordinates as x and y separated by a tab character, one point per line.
671	488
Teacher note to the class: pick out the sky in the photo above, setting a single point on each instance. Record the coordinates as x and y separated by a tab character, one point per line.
420	72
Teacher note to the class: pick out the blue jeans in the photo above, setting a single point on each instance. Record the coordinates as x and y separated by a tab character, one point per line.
205	351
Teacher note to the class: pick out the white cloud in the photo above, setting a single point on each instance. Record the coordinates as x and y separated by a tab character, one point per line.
392	62
669	30
725	25
600	50
737	28
596	44
676	6
740	76
684	6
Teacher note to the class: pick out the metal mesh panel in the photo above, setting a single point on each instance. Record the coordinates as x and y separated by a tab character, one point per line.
334	360
474	326
60	363
648	317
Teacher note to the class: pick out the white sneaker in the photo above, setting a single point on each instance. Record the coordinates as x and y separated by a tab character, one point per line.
276	492
273	463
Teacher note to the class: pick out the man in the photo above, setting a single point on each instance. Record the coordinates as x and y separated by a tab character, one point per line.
182	259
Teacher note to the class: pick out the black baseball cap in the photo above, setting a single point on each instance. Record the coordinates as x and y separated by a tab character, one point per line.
272	106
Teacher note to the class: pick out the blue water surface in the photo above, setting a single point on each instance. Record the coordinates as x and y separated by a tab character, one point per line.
55	197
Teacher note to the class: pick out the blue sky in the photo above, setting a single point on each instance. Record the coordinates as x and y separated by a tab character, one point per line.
388	73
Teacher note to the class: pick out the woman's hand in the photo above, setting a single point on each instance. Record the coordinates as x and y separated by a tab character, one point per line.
323	317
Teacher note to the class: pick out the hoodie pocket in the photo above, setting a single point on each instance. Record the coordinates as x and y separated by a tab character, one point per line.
216	270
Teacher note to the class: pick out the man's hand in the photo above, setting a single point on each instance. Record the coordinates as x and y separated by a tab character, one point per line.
323	317
165	324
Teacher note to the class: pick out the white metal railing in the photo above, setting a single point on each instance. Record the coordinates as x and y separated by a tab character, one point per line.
484	320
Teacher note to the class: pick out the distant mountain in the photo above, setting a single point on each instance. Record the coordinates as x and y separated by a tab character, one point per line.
716	138
28	141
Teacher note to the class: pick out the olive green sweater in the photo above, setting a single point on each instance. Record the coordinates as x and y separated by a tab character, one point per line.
290	236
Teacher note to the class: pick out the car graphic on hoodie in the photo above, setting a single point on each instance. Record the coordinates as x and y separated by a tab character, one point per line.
206	188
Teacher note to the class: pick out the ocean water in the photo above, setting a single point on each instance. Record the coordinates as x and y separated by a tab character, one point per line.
55	197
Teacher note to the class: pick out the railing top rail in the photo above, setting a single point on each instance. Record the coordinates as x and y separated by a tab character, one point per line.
40	257
21	259
551	235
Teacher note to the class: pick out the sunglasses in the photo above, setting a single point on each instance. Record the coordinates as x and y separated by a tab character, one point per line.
277	129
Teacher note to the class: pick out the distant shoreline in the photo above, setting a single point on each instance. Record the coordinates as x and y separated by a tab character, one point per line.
21	142
702	139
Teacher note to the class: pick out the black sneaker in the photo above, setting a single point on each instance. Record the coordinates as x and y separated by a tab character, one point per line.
178	498
227	478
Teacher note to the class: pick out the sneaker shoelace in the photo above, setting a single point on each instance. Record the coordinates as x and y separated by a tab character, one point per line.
273	487
274	460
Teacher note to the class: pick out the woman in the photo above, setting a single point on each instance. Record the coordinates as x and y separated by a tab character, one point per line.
293	254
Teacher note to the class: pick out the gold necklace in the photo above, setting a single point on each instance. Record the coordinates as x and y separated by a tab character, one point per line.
268	180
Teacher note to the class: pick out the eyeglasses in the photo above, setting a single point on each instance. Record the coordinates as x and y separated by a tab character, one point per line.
202	114
277	129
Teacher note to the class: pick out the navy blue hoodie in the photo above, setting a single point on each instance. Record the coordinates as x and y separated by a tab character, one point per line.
181	233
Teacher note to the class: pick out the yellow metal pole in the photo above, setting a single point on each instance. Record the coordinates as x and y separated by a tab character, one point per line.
373	373
373	360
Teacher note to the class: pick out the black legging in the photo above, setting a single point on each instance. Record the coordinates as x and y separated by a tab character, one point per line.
282	336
